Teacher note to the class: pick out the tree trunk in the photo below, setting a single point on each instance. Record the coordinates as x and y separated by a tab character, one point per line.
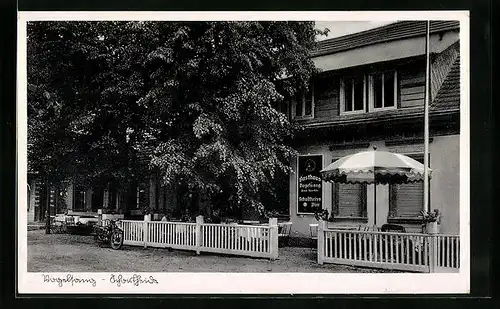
47	207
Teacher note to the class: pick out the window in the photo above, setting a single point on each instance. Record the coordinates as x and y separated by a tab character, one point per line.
349	200
352	95
304	106
112	196
383	90
97	198
142	197
79	199
283	108
407	200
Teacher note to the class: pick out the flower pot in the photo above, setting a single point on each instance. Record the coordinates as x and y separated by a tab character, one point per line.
432	227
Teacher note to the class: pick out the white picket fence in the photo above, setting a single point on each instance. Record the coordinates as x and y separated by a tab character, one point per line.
255	241
245	240
401	251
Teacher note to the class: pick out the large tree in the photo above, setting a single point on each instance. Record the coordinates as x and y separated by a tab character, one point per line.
84	83
201	96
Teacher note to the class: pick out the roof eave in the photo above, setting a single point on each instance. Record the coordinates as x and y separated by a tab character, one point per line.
342	122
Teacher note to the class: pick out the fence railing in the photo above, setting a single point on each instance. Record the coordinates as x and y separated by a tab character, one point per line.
401	251
133	232
448	251
246	240
257	241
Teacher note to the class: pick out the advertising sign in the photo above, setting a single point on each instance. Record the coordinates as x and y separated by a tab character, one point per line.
310	185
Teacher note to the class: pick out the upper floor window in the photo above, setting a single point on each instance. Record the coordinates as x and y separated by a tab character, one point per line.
383	90
353	95
304	105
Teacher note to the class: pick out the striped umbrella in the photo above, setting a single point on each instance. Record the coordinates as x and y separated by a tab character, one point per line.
374	167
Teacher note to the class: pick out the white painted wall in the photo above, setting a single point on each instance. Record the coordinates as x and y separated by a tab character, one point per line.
386	51
445	182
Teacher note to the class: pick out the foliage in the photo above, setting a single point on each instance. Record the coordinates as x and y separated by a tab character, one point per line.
321	215
271	214
194	100
431	216
147	210
84	81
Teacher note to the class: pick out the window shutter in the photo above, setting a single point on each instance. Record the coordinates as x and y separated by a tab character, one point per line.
350	200
408	199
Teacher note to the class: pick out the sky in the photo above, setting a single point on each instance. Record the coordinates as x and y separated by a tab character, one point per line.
340	28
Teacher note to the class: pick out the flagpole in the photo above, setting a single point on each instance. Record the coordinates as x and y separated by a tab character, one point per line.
426	119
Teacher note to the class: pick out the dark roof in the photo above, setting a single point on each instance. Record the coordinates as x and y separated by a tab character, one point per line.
394	31
448	96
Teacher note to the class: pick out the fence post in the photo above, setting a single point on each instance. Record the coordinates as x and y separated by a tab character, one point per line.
273	238
321	241
433	253
145	232
199	234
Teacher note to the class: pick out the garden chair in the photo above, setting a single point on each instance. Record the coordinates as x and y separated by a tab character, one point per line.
69	221
401	247
313	230
393	228
284	230
56	227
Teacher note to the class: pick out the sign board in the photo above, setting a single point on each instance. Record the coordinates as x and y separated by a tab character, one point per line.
310	185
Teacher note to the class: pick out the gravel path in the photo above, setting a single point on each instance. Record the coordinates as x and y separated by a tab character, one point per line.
72	253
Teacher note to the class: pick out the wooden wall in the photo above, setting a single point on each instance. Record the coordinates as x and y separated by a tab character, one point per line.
326	97
411	87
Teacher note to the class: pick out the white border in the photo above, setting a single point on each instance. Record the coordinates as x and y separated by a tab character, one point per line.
229	283
297	183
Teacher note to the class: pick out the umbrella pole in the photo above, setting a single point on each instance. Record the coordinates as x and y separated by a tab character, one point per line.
374	206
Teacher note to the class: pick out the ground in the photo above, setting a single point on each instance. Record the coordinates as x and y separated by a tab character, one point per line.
73	253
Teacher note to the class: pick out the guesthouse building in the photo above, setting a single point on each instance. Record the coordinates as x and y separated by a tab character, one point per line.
370	92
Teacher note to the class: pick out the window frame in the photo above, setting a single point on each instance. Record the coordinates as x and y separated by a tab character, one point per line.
371	92
141	191
287	112
77	190
303	100
95	193
342	96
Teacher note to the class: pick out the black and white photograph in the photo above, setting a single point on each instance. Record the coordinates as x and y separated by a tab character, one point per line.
300	148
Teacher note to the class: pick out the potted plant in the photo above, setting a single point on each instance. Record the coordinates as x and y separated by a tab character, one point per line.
431	219
271	214
147	211
321	215
215	216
